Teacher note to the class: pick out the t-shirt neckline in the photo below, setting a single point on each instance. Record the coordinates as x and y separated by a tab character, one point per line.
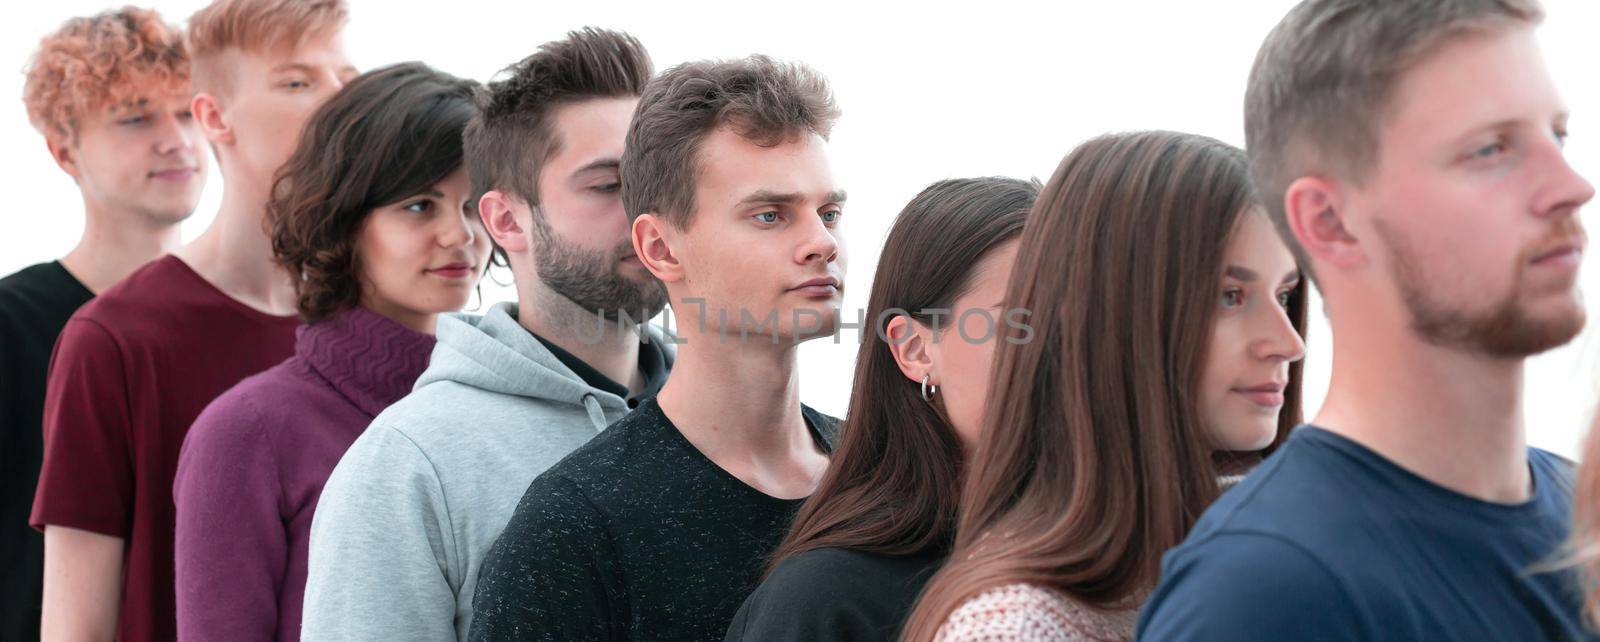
653	405
1455	499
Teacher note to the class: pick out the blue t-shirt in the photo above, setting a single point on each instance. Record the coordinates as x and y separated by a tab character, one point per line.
1328	540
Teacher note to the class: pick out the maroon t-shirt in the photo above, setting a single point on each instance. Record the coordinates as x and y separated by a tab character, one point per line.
130	373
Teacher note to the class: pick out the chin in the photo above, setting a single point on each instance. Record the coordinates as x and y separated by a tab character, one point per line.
1251	435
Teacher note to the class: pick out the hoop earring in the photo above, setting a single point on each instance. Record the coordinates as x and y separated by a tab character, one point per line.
928	391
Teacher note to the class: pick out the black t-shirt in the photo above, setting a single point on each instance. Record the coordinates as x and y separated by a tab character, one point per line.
34	305
1328	540
834	594
634	536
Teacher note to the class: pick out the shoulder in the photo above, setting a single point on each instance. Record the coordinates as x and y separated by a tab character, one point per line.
1233	583
256	404
834	593
843	578
825	425
142	308
29	283
609	457
1033	612
447	415
815	578
1554	476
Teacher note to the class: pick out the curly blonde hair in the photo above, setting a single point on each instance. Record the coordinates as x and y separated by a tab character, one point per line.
111	59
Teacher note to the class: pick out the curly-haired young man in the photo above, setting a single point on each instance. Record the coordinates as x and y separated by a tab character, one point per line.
110	94
134	367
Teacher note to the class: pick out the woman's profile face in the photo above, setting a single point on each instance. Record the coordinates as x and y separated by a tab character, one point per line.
1253	341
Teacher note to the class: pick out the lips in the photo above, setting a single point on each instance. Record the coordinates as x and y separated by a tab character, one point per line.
1565	252
453	270
1267	395
821	288
175	174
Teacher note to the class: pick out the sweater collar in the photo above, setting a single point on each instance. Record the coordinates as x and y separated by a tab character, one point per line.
367	357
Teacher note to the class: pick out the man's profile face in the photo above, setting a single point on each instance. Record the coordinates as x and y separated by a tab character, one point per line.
272	94
580	234
1472	209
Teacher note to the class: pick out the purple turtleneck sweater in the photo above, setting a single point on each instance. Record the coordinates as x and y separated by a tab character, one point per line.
254	463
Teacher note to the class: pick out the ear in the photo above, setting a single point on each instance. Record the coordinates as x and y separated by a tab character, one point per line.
1316	212
499	213
908	341
64	155
651	242
208	113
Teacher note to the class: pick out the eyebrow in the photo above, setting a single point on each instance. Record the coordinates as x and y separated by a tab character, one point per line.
1558	119
429	192
604	163
1247	274
292	66
788	198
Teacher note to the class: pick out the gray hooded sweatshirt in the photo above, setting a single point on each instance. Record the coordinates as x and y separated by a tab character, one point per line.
414	505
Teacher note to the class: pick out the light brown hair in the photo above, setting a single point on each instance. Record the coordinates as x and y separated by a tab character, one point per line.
1324	79
111	59
893	482
255	26
1093	461
765	101
1584	546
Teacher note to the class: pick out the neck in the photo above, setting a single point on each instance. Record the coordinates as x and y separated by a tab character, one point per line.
732	396
607	346
235	255
113	245
1451	417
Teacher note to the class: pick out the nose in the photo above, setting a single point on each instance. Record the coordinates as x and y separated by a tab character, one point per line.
818	243
460	229
1563	191
172	135
1277	339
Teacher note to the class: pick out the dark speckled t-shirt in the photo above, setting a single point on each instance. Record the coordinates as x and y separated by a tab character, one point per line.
634	536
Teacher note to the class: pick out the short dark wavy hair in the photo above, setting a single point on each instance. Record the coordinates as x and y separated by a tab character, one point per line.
511	139
767	102
388	135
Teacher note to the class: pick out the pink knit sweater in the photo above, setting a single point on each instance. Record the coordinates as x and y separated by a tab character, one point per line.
1033	613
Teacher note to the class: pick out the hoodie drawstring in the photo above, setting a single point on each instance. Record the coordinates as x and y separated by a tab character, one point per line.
596	416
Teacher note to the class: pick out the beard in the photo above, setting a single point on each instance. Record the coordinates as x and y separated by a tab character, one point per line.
592	280
1502	329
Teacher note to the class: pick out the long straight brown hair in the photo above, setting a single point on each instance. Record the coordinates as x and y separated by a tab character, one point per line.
894	480
1584	546
1093	461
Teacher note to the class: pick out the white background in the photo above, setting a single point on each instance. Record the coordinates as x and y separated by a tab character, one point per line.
928	92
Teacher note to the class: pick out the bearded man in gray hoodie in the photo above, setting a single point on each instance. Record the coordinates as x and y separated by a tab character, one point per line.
413	507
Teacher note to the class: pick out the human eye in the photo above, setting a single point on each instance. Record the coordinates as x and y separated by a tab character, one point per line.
1231	298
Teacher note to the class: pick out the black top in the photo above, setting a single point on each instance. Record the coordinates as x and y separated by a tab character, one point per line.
634	536
1328	540
834	594
652	366
34	305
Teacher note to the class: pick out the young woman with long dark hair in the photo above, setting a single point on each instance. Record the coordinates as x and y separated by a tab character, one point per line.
1167	323
881	520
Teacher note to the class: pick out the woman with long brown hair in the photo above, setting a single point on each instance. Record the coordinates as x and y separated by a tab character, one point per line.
1167	323
881	520
1585	543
